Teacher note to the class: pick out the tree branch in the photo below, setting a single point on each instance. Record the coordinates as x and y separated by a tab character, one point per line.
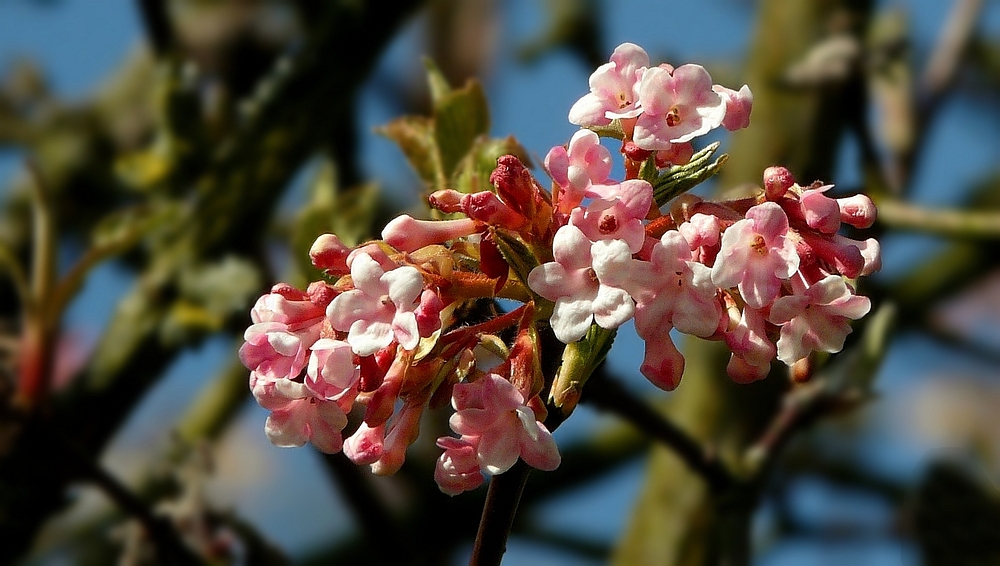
498	515
950	223
605	392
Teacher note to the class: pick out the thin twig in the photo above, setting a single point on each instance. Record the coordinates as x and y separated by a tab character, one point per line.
157	22
952	223
160	531
607	393
943	65
802	406
376	522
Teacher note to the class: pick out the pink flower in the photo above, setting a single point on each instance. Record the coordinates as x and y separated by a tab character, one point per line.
574	282
677	106
491	414
366	445
670	290
457	468
738	105
298	417
616	212
753	352
380	308
663	364
757	255
285	325
331	371
819	211
330	254
585	162
817	318
613	89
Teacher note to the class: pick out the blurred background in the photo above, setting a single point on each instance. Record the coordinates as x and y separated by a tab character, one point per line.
190	150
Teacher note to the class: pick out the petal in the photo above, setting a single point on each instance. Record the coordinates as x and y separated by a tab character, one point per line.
367	337
404	329
404	286
286	427
366	274
498	450
588	111
472	422
571	319
612	307
571	248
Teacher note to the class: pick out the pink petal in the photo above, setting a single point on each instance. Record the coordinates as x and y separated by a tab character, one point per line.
498	450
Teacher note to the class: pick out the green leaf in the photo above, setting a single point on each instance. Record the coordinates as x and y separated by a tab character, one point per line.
460	117
415	137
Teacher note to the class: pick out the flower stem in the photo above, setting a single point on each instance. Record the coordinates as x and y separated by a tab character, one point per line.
502	500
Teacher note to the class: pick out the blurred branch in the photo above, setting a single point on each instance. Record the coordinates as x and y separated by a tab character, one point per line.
156	18
377	524
502	501
965	224
607	393
160	531
946	58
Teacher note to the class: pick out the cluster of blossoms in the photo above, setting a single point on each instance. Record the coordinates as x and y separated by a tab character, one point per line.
389	334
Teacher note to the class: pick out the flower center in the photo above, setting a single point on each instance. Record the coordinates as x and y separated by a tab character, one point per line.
592	275
623	100
759	245
673	117
608	224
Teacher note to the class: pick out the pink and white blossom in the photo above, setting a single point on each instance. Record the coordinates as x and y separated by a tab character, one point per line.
738	106
575	168
671	290
573	282
491	414
285	324
457	468
616	212
298	417
752	350
332	370
380	308
757	255
816	319
677	106
613	88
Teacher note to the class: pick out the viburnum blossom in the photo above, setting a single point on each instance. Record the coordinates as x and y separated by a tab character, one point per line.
584	162
677	106
613	88
615	213
757	255
402	325
380	308
491	415
298	417
286	323
573	283
816	319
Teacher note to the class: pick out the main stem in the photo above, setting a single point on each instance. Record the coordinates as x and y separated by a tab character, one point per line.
502	500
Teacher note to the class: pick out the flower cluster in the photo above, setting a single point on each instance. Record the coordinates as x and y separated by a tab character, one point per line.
387	334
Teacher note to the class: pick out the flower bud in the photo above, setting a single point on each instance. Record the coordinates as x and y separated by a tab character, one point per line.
486	207
330	254
858	211
446	200
678	154
777	181
634	152
407	234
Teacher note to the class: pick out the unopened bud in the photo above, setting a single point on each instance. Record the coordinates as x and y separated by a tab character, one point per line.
634	152
330	254
446	200
678	154
407	234
486	207
802	370
320	293
514	183
777	181
858	211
